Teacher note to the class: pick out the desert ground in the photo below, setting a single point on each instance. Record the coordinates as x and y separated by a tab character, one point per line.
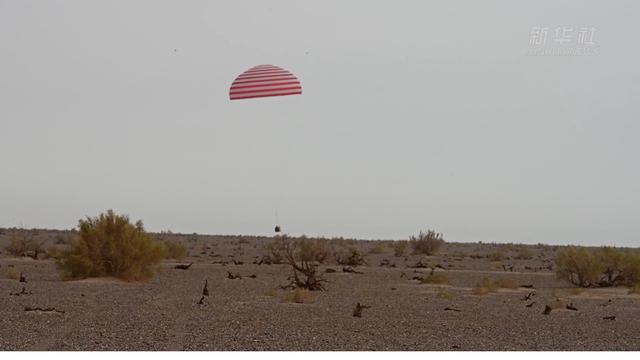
251	312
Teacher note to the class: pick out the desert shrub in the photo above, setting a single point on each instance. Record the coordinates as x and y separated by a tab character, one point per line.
351	258
22	243
427	243
271	292
594	267
634	290
313	250
54	252
275	248
305	272
110	245
175	250
400	248
436	278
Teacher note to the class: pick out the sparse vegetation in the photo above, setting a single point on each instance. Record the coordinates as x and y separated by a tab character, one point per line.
110	245
313	250
22	243
634	290
599	267
175	250
305	272
400	248
427	243
351	258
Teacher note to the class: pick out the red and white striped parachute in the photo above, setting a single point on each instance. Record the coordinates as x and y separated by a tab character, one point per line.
264	81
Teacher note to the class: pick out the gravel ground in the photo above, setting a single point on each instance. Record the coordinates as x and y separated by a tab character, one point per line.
164	314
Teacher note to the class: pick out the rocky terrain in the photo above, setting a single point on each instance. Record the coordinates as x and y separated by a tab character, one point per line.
246	308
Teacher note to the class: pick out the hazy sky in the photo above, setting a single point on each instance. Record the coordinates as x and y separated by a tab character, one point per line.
414	114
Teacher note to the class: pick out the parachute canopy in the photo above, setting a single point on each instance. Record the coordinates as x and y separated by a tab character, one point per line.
264	81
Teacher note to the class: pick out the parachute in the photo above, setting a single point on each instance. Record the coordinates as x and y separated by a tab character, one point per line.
264	81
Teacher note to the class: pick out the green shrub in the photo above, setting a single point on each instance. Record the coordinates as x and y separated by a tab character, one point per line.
175	250
110	245
427	243
599	267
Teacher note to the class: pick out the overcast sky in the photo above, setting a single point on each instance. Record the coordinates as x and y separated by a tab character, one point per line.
451	115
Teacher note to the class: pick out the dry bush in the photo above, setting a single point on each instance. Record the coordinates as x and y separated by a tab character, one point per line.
175	250
275	249
400	248
436	279
634	290
305	272
299	296
313	250
54	252
599	267
22	243
110	245
427	243
351	258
